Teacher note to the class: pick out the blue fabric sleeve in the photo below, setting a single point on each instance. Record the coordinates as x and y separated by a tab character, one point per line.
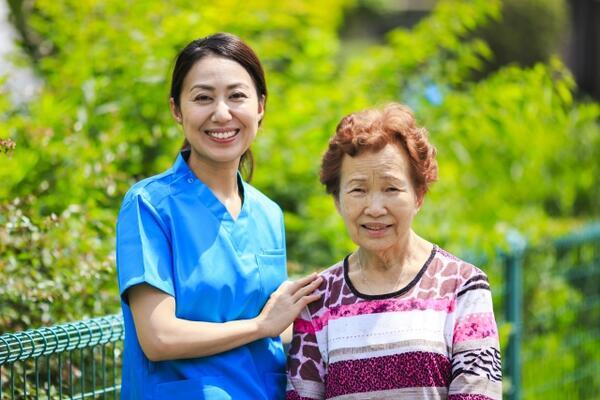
283	240
143	248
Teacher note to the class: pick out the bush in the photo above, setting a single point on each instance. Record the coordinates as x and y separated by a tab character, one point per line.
516	151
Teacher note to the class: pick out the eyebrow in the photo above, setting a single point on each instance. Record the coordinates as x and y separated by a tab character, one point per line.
393	178
356	180
386	177
209	87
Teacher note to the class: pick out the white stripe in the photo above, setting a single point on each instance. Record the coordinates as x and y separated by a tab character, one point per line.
477	344
474	301
475	384
382	328
382	350
310	389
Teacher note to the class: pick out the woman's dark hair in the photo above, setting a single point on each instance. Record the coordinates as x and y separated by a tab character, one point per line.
227	46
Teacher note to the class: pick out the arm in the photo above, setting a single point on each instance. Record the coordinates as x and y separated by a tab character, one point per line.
306	368
144	264
476	368
163	336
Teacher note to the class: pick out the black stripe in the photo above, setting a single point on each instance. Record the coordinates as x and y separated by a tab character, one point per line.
478	286
476	278
397	293
490	351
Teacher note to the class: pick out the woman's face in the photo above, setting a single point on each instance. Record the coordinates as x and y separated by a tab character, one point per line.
377	198
219	111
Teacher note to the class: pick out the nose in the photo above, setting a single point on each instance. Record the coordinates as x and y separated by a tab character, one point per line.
221	112
375	206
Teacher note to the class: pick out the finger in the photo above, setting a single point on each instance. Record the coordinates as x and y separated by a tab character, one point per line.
283	286
297	308
306	290
309	299
294	286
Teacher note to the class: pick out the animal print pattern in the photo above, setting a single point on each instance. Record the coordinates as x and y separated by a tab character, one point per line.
479	362
467	397
454	356
384	373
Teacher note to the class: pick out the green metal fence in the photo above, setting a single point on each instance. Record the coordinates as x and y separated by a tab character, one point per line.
74	361
552	300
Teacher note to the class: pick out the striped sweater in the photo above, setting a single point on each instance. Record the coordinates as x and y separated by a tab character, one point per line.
434	339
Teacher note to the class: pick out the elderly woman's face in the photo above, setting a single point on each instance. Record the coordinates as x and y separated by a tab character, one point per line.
377	198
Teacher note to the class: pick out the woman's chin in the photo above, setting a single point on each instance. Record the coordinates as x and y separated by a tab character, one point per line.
374	246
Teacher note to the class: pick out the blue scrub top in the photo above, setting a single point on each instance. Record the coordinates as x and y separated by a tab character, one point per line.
175	235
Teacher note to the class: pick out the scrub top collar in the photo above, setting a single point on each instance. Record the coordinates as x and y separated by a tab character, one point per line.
186	180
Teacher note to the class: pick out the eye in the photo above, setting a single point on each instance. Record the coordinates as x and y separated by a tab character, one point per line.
356	190
392	189
202	98
238	96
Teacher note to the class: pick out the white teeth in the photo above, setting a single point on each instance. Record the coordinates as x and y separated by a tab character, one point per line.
375	227
222	135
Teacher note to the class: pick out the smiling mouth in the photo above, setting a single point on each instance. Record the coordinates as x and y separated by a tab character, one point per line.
221	134
375	227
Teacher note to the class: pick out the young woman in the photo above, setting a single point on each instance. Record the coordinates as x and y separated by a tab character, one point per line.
201	253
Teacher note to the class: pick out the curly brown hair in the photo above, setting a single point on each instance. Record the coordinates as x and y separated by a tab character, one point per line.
372	130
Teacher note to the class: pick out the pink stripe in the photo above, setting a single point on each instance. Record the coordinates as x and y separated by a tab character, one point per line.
468	397
475	326
303	326
293	395
381	306
413	369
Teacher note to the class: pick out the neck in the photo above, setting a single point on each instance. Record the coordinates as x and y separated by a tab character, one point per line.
221	178
402	255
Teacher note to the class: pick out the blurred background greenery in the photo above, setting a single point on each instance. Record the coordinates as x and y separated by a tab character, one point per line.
518	139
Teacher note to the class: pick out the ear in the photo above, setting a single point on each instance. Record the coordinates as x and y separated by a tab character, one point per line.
261	108
175	111
336	201
420	198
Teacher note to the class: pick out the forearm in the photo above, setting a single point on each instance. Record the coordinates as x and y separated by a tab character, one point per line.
179	338
163	336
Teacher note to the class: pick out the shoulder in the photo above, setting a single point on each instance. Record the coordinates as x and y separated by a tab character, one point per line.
464	269
463	274
332	289
332	274
152	190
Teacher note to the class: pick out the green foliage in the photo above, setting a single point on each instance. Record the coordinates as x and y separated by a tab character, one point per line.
516	150
518	158
101	121
54	266
527	32
560	324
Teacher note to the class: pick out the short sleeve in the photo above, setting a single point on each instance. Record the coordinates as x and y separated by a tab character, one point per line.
282	223
306	368
476	366
143	248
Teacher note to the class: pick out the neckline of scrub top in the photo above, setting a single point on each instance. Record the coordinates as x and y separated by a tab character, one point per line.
210	200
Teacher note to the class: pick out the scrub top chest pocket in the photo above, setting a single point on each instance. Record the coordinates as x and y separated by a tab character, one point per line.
272	269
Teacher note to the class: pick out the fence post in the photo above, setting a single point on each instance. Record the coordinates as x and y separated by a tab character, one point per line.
513	265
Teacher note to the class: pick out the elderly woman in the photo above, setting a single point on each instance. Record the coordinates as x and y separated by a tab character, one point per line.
399	318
